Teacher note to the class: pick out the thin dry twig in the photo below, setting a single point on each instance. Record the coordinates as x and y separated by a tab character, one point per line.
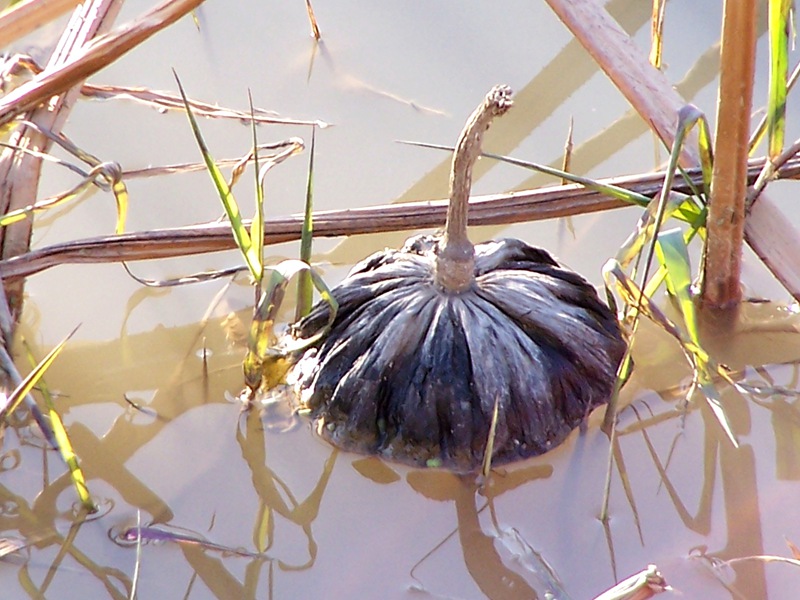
496	209
91	58
20	172
568	147
168	101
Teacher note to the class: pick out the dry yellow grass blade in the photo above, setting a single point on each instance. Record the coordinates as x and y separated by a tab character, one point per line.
657	32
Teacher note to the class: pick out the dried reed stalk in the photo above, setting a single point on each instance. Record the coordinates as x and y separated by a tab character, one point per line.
496	209
722	259
648	90
23	18
19	171
87	59
46	101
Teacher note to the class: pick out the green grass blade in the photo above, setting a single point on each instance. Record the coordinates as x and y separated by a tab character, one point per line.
252	259
674	256
27	384
779	30
260	366
64	444
616	278
761	129
688	117
646	226
701	363
661	274
612	191
327	296
257	226
305	291
267	361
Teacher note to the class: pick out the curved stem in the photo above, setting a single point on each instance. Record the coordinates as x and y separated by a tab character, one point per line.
455	260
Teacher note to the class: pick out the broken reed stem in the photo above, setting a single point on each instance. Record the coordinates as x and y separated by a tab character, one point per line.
647	89
722	259
90	59
19	172
455	259
768	232
496	209
46	101
23	18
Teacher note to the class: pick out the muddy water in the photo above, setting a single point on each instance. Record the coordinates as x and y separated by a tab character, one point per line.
283	515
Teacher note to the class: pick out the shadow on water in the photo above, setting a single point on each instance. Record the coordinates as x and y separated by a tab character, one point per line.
267	510
532	530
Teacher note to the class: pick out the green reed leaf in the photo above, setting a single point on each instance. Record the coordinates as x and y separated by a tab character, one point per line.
305	291
674	256
252	258
268	360
779	31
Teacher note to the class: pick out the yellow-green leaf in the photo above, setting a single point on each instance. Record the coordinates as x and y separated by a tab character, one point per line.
252	258
64	444
674	256
27	384
779	26
305	291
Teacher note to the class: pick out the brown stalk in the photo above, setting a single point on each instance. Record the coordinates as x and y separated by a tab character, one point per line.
20	171
170	101
652	95
496	209
49	96
20	20
312	19
722	264
455	260
91	58
647	89
569	146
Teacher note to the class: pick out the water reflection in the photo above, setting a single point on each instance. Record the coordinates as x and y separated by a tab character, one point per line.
689	490
275	497
482	545
678	487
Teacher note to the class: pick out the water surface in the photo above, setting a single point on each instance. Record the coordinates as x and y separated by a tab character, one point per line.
330	524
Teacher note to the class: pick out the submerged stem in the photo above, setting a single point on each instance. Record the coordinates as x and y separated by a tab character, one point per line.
455	260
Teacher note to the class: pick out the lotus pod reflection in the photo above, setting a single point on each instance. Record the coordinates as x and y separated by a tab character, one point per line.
429	338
